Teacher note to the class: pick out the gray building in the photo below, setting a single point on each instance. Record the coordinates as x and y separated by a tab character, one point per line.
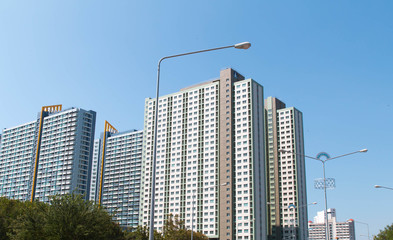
49	156
286	177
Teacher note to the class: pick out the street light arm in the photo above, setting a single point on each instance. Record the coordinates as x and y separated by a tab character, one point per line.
286	151
360	151
379	186
243	45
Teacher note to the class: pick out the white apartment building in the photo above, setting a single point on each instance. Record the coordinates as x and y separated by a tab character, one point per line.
210	158
65	153
287	197
17	149
122	176
49	156
337	230
94	181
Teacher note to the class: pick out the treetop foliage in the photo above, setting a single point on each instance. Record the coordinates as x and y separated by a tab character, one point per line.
70	217
385	234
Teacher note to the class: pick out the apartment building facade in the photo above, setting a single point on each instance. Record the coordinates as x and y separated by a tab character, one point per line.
120	175
94	180
286	177
16	158
48	156
210	158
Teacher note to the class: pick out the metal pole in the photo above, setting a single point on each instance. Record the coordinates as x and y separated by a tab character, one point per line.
153	184
326	211
368	232
368	229
293	224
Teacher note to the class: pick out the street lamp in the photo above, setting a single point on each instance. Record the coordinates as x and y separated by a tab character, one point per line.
379	186
323	161
293	206
368	228
243	45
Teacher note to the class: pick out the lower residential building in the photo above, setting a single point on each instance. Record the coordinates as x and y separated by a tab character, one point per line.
337	230
119	175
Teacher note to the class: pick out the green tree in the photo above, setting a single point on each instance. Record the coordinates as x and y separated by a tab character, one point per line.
67	217
9	211
142	233
139	233
174	229
386	234
71	217
30	224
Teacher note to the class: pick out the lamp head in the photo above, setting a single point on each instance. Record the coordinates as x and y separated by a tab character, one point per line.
377	186
363	150
243	45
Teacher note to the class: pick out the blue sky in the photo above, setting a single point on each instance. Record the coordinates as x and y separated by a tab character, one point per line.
333	60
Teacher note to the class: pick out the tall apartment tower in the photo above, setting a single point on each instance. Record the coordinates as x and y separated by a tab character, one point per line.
48	156
210	158
119	175
17	150
286	177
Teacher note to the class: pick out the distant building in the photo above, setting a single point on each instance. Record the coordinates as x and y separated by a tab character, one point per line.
337	230
286	172
48	156
118	185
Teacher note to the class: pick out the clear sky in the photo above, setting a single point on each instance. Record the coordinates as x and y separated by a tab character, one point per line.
333	60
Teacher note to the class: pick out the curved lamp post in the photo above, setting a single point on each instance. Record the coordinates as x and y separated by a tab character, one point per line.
323	161
243	45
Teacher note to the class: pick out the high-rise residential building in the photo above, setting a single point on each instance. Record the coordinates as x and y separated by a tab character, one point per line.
17	150
119	181
210	158
286	177
94	182
337	230
48	156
